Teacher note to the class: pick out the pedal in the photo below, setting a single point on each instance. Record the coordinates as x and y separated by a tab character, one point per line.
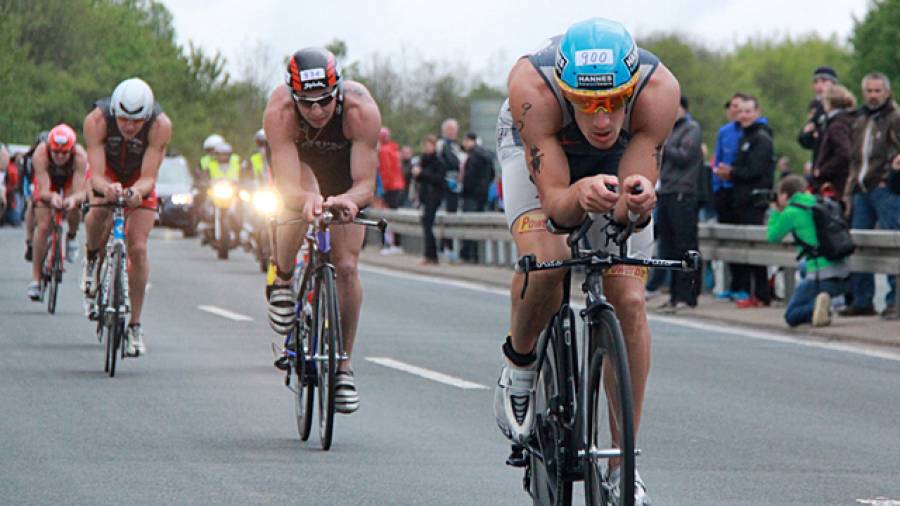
283	363
517	456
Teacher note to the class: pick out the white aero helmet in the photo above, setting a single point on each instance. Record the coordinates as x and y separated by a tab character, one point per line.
261	135
223	148
212	141
132	99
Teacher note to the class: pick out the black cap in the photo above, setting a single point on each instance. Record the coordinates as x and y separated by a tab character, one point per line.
472	135
825	72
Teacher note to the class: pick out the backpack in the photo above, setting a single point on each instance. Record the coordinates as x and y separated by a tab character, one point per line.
835	242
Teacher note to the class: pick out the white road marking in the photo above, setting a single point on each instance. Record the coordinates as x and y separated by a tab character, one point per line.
879	501
810	341
225	313
426	373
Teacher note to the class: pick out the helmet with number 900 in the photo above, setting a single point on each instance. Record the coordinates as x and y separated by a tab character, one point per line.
61	138
132	99
597	65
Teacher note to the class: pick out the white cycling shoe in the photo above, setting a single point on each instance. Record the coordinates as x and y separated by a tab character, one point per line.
640	490
514	401
135	339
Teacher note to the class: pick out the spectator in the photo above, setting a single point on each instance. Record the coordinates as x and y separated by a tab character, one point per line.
682	163
13	211
876	135
450	155
4	162
477	174
430	174
723	191
391	181
811	300
753	170
829	174
814	130
894	178
406	158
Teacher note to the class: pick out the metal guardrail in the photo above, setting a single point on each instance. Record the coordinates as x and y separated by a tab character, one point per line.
877	251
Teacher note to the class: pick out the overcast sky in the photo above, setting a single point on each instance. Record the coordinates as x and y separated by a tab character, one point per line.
486	34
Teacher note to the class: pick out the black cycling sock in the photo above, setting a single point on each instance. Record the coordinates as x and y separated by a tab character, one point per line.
284	276
71	235
132	325
27	243
92	255
517	358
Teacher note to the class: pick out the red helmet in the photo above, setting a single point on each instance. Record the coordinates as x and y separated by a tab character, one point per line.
61	138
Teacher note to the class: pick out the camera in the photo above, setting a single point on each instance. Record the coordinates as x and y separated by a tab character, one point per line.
763	197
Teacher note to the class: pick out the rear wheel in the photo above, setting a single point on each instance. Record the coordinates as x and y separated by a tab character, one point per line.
610	411
548	482
304	370
328	327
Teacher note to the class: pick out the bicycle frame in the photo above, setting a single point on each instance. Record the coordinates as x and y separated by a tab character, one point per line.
116	242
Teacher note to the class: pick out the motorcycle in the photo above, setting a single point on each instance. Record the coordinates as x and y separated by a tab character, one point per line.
225	218
260	205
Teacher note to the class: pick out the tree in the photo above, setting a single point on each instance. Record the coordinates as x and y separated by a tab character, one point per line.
875	40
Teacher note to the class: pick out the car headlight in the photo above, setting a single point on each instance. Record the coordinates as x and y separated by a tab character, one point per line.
182	199
265	201
223	190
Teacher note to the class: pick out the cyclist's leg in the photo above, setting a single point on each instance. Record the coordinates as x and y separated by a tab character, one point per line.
29	221
42	215
346	243
289	238
137	230
97	225
529	315
73	220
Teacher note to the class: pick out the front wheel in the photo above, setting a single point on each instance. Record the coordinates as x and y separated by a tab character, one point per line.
221	242
55	274
328	330
304	370
610	412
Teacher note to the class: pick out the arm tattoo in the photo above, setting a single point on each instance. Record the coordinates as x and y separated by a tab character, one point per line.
536	156
520	124
356	90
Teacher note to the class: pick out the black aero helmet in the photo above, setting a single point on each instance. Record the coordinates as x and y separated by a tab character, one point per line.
312	68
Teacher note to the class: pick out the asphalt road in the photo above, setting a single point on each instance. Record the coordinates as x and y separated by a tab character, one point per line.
732	418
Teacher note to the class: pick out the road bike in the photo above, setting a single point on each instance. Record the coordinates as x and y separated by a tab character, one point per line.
315	346
580	403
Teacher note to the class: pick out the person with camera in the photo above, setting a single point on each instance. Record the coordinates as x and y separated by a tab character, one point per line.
792	214
751	177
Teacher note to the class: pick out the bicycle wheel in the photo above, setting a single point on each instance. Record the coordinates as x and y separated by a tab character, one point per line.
115	326
328	331
610	411
305	386
55	274
552	405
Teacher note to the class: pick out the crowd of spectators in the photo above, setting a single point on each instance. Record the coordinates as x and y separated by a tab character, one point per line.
854	162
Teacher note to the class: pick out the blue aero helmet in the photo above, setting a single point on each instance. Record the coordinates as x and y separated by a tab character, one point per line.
597	65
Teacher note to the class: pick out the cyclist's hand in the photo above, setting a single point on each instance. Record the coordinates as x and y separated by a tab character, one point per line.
70	203
312	206
112	191
343	208
133	198
643	202
56	201
593	194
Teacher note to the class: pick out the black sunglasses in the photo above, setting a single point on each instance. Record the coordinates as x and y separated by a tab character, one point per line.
308	102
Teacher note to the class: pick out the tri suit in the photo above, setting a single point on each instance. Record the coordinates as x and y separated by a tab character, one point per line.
519	192
61	176
125	157
326	151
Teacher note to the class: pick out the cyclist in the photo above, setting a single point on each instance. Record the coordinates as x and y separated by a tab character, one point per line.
27	179
323	136
588	111
59	163
126	136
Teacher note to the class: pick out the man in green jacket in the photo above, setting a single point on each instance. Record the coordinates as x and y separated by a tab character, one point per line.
811	300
